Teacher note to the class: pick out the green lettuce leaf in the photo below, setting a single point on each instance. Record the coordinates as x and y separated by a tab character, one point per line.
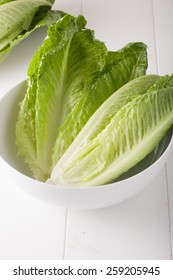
19	18
120	67
68	56
120	134
69	77
5	1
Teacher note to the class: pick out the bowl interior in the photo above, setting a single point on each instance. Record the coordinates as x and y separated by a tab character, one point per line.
9	106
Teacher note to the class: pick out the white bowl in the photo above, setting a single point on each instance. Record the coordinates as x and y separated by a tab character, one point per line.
128	185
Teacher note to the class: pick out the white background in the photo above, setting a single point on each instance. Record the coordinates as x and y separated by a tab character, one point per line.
140	228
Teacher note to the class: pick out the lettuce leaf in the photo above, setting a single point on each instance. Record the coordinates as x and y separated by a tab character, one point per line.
69	77
120	67
69	54
120	134
5	1
19	18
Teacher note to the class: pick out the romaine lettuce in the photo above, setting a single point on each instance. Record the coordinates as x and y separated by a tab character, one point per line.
69	77
5	1
19	18
69	54
120	133
120	67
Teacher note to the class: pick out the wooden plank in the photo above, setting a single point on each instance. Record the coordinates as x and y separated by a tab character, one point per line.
163	24
135	229
29	228
169	166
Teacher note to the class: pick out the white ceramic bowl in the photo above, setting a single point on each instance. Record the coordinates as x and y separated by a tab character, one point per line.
130	184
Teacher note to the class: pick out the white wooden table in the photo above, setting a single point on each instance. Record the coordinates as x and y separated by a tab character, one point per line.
140	228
